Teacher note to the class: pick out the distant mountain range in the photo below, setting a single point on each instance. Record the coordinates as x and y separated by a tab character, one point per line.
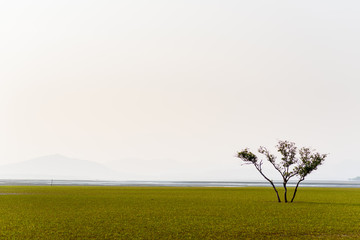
59	167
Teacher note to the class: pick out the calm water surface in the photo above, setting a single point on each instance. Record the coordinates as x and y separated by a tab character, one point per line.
54	182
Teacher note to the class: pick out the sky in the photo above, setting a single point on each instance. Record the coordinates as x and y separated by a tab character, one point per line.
173	89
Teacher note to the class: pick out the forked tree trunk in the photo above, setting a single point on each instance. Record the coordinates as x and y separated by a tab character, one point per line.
285	193
297	185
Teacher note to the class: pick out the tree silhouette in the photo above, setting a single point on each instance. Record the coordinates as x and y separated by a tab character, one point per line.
289	166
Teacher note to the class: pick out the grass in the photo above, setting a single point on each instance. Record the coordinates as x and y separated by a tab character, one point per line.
60	212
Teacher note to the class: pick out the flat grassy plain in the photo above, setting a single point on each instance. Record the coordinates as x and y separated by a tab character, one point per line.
73	212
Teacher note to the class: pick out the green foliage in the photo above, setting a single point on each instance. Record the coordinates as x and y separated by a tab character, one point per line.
308	162
288	152
247	156
176	213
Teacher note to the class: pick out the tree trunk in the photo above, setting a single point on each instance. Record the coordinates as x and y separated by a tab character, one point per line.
285	193
277	194
272	184
297	185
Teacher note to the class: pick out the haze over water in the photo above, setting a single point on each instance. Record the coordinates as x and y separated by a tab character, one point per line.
172	90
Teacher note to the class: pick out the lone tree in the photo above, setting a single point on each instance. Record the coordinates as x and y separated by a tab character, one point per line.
293	163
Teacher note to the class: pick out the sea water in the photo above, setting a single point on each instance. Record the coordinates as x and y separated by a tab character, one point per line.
57	182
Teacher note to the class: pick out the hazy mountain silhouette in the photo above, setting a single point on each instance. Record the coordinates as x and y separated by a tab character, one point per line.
59	167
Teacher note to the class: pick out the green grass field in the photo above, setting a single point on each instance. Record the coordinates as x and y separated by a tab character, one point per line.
176	213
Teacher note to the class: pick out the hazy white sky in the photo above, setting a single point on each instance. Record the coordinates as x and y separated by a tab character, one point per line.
173	89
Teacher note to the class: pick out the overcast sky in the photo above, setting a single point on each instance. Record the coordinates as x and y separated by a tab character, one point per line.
173	89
